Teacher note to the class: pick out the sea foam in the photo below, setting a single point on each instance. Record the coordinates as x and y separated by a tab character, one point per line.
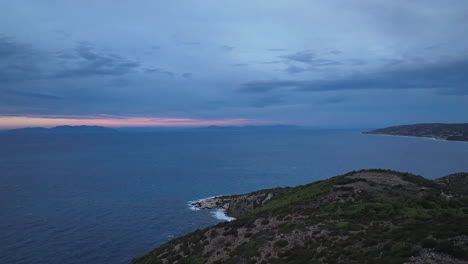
218	213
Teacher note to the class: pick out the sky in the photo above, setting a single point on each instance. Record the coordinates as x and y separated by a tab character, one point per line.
323	63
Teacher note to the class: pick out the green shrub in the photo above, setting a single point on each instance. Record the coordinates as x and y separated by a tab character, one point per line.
342	225
195	260
247	249
281	243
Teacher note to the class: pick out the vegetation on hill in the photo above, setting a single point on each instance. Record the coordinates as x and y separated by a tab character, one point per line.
366	216
454	132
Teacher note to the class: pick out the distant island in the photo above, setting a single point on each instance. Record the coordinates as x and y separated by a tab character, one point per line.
454	132
101	129
62	130
367	216
249	128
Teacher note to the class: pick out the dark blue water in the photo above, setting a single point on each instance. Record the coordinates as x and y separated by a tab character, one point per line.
109	198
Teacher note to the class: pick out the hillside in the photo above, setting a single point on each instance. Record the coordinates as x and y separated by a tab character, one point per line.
368	216
455	132
62	130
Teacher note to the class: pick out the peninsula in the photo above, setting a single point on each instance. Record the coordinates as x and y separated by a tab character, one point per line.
454	132
367	216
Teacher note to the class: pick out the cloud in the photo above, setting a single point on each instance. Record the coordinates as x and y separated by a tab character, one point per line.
306	60
186	75
306	56
125	69
295	69
462	90
227	48
182	41
121	82
10	48
309	58
265	101
450	76
18	62
12	121
190	43
267	86
86	61
277	50
273	62
333	100
336	52
159	71
33	95
239	64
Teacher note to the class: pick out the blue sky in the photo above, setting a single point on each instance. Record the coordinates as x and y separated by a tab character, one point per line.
364	63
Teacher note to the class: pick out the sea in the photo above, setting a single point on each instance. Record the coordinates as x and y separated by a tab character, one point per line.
109	198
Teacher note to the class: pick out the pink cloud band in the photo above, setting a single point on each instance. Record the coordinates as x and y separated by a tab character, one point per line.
119	121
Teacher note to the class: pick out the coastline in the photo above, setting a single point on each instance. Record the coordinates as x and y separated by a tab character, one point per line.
217	212
231	207
420	137
313	217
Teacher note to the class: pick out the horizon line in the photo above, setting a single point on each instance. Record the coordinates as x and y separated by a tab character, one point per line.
49	121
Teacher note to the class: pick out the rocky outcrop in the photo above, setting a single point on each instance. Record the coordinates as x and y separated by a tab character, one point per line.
237	205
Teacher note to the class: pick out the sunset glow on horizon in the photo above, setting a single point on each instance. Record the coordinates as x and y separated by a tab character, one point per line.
11	122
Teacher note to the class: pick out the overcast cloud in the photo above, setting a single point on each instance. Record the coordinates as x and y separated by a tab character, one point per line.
364	63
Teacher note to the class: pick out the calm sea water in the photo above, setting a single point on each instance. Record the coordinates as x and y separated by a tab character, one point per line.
110	198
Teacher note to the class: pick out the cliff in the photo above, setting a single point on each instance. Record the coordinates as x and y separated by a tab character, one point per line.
240	205
366	216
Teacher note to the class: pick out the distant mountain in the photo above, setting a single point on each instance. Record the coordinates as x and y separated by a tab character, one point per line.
63	130
211	128
454	132
247	128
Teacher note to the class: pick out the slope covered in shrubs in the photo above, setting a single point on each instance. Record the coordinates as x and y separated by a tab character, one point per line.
363	216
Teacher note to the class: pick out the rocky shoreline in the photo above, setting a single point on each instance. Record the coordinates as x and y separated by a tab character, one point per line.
236	205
